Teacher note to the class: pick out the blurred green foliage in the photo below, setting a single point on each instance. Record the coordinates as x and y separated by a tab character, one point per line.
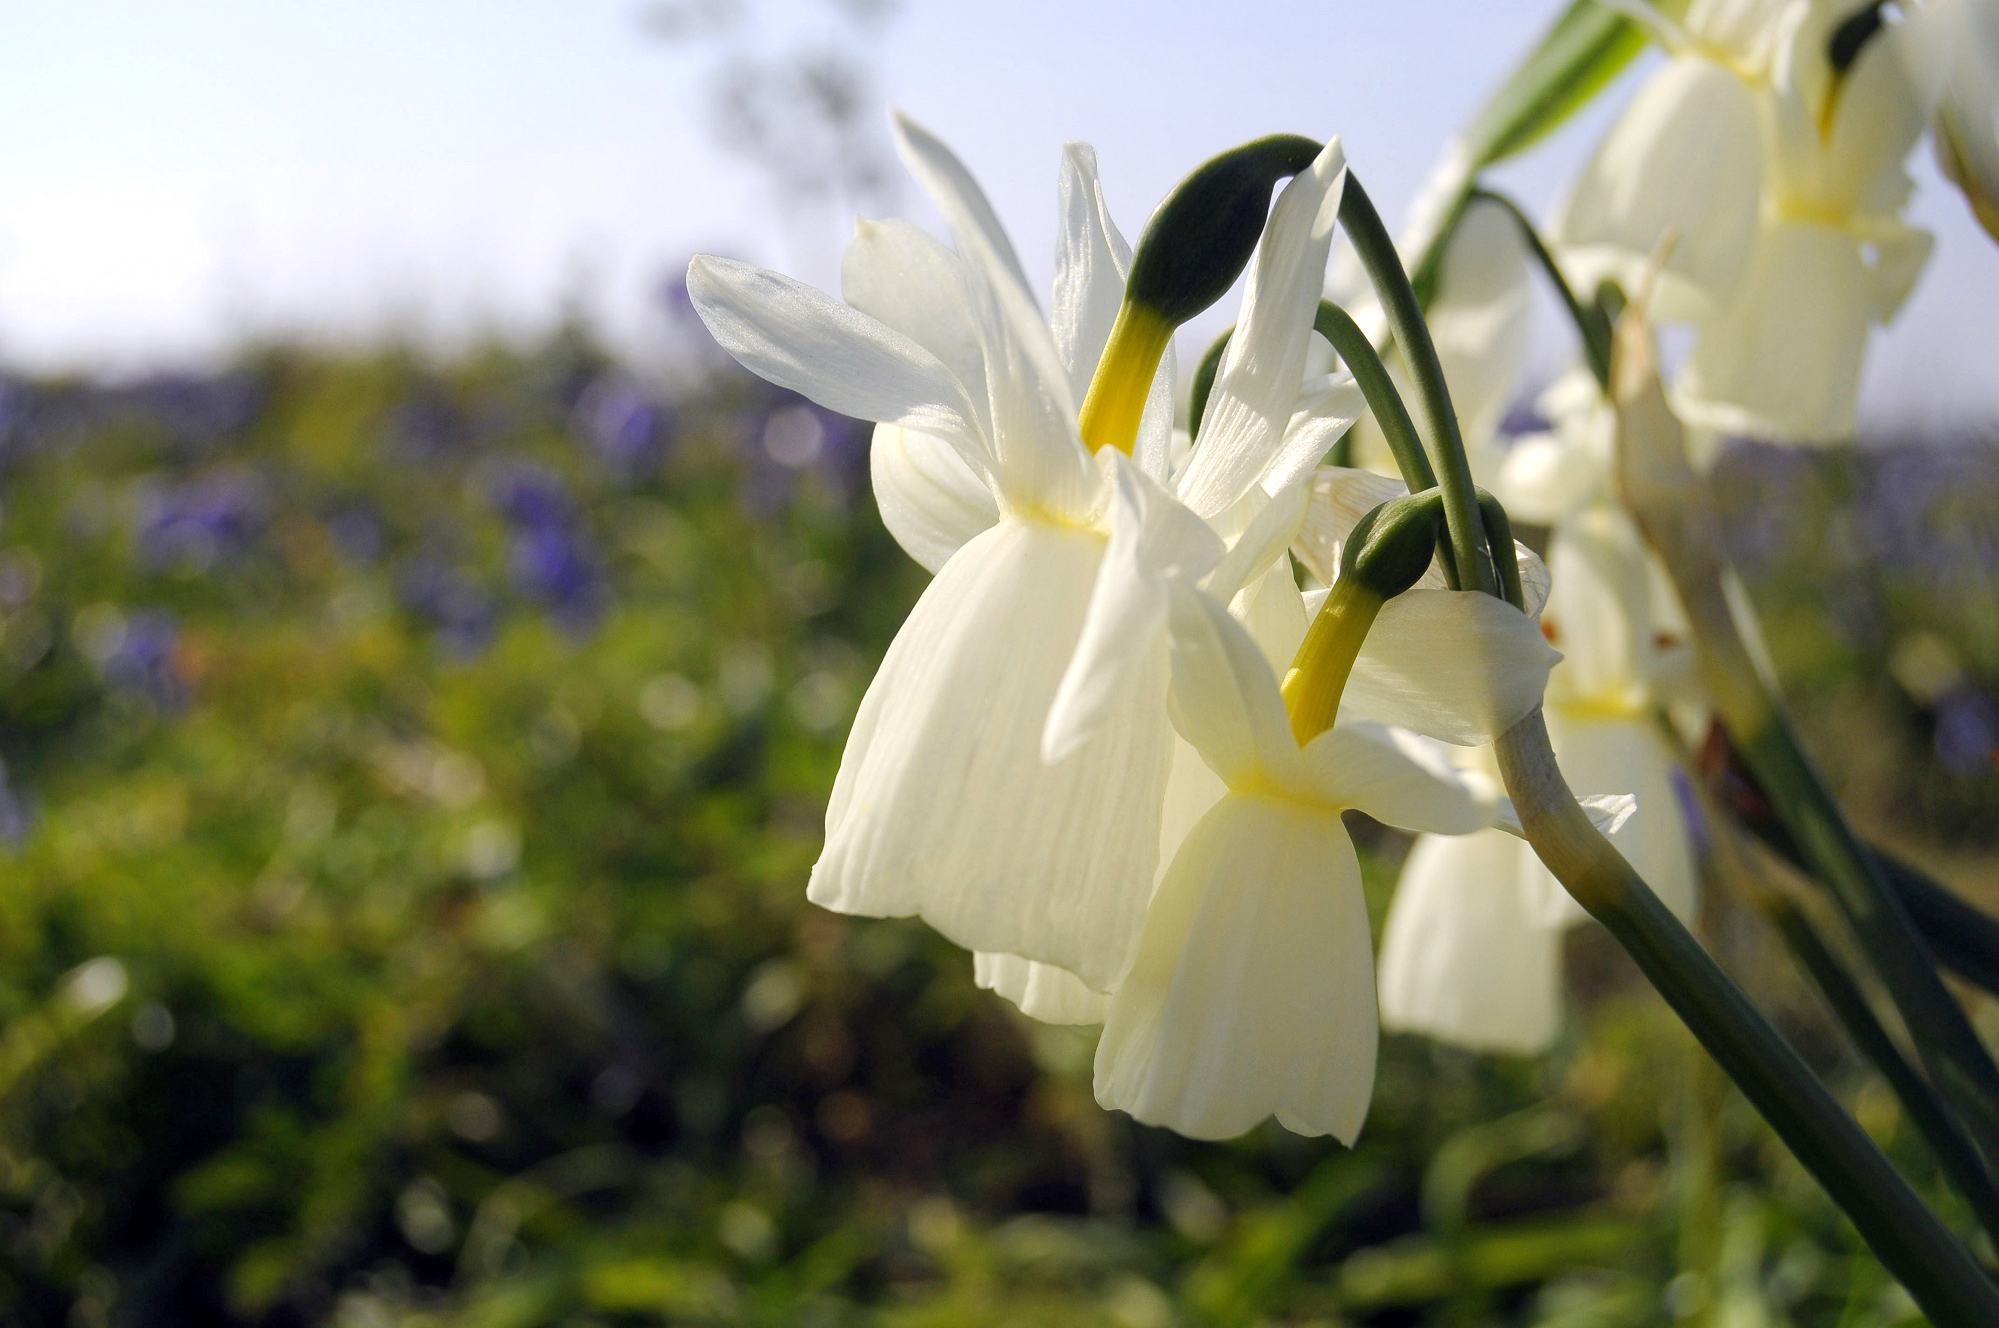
411	774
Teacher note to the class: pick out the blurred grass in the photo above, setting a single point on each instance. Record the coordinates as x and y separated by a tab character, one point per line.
411	773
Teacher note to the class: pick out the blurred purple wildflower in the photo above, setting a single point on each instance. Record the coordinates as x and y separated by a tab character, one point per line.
629	429
428	427
1523	416
194	410
552	558
15	819
674	297
143	662
216	518
465	615
16	407
357	529
1967	730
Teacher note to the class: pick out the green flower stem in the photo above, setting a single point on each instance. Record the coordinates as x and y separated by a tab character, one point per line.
1911	1242
1953	1149
1670	504
1957	1061
1726	856
1964	937
1204	382
1433	398
1505	558
1364	363
1591	326
1370	374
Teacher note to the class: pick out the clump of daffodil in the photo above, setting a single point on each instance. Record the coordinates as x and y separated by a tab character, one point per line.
1770	150
954	802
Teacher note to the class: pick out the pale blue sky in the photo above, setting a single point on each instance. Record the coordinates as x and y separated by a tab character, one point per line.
176	176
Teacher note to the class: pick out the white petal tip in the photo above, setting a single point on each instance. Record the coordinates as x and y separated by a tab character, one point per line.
1609	811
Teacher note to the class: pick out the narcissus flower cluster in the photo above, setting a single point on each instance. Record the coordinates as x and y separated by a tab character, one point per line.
1082	757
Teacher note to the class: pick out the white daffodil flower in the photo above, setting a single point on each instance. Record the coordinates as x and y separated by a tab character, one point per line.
1547	476
1253	992
1780	180
1967	123
1273	613
944	806
1471	951
1457	666
1782	358
1686	158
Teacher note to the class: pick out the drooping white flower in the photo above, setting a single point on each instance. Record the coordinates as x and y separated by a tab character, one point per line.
1466	955
1273	613
1686	158
944	806
1780	179
1967	124
1497	659
1253	992
1471	951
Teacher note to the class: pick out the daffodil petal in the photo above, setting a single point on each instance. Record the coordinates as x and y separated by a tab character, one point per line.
1394	777
1607	812
1040	464
1600	609
930	500
1628	755
1462	959
1455	665
1123	640
905	278
1253	992
1326	410
1092	260
803	339
1783	362
1263	540
1482	317
1040	991
1541	479
1685	159
1225	698
1273	613
956	194
943	807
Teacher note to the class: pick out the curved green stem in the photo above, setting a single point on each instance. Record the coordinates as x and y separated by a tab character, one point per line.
1910	1240
1204	382
1672	510
1433	398
1364	363
1966	938
1505	558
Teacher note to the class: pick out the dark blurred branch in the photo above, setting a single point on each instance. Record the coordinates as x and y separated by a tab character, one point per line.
1964	937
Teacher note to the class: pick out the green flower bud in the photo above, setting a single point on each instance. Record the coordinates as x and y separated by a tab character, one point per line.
1200	239
1391	547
